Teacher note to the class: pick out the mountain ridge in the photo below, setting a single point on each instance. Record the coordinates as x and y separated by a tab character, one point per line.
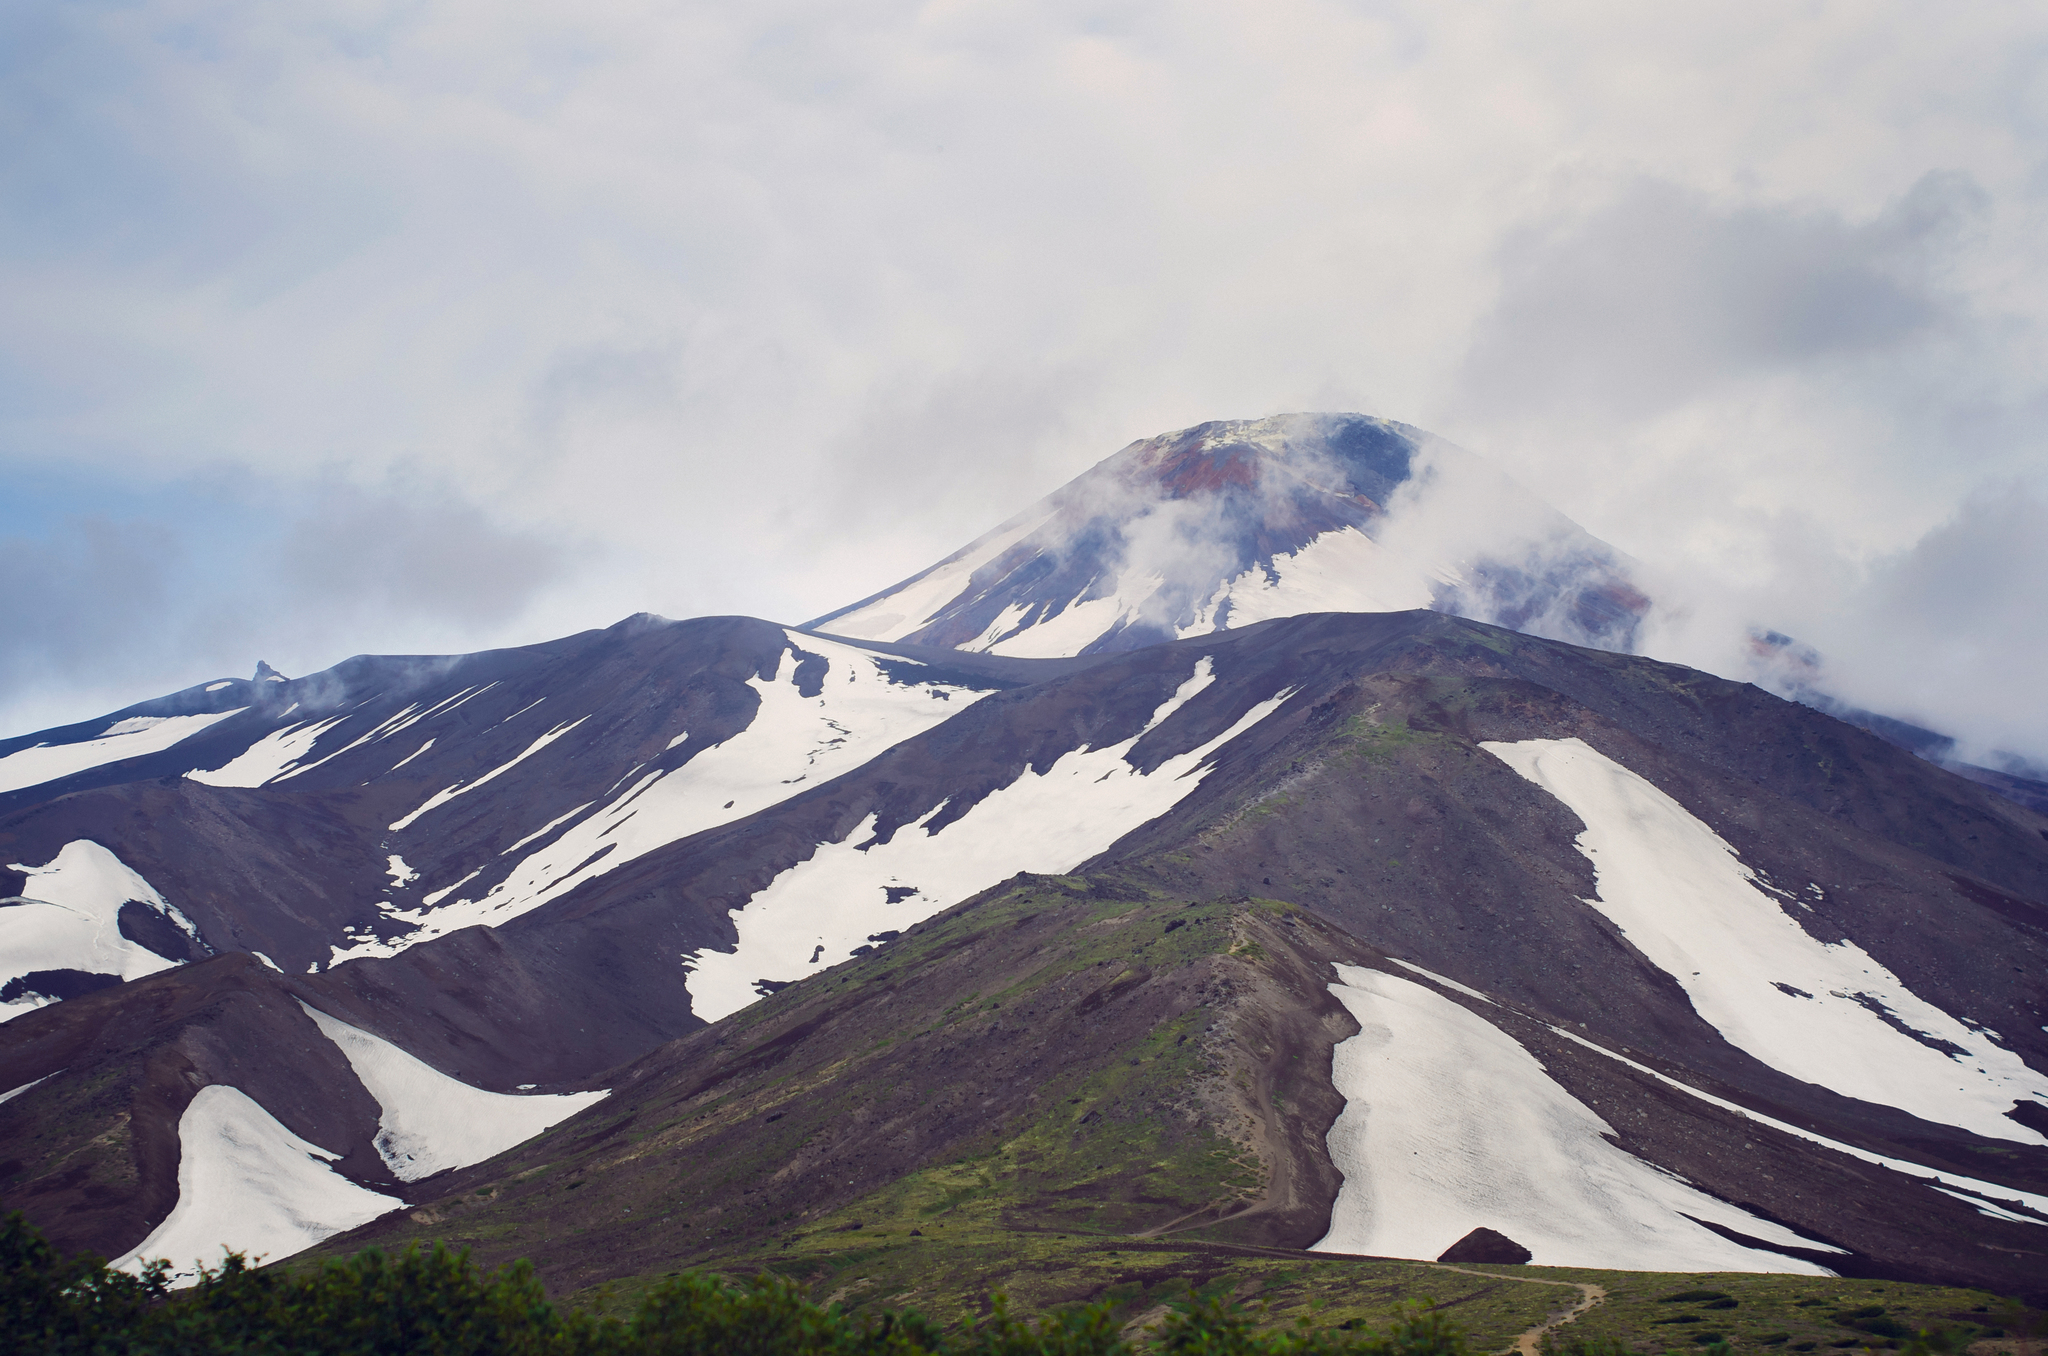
1374	727
1416	926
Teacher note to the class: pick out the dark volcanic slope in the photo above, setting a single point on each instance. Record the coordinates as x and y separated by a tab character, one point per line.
1086	1056
1334	763
1368	800
351	810
1117	1061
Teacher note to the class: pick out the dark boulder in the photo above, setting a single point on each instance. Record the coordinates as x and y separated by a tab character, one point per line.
1484	1245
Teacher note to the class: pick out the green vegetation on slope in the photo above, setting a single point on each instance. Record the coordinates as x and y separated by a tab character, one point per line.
889	1252
432	1302
1078	1056
947	1265
1073	1091
1824	1315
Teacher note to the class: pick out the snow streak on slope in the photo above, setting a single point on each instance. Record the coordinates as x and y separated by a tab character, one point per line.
1827	1013
1983	1192
1069	627
71	921
814	914
793	743
13	1093
912	603
286	752
432	1122
442	797
247	1184
268	757
1450	1124
1341	571
129	738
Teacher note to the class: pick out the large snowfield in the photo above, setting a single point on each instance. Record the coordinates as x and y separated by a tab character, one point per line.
246	1184
269	757
812	915
913	603
1339	571
1987	1198
1824	1012
432	1122
1450	1124
130	738
70	920
793	743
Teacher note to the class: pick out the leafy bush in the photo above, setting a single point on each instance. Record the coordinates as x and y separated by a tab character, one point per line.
62	1305
433	1302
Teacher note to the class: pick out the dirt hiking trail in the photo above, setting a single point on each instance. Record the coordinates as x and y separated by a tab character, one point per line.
1528	1344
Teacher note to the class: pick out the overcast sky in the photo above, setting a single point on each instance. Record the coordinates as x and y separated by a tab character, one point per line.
348	325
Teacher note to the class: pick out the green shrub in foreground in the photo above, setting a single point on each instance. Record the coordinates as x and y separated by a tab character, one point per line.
433	1302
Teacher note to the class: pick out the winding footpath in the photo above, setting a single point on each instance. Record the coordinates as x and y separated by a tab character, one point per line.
1528	1343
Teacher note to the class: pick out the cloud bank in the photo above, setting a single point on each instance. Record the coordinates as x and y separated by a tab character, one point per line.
697	308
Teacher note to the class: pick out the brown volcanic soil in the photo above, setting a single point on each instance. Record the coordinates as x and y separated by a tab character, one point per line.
1122	1062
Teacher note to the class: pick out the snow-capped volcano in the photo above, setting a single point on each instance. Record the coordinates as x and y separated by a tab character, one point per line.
1239	521
1627	963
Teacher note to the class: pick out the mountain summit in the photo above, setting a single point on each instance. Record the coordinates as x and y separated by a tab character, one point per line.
1238	521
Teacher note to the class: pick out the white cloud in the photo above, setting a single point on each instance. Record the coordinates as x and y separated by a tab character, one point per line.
781	302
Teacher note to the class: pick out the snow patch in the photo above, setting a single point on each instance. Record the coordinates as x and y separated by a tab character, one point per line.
440	798
1900	1165
437	896
793	743
71	921
812	915
130	738
913	603
268	757
1826	1013
432	1122
246	1184
1991	1211
1069	631
1340	571
1450	1124
540	832
410	756
13	1093
268	961
400	873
